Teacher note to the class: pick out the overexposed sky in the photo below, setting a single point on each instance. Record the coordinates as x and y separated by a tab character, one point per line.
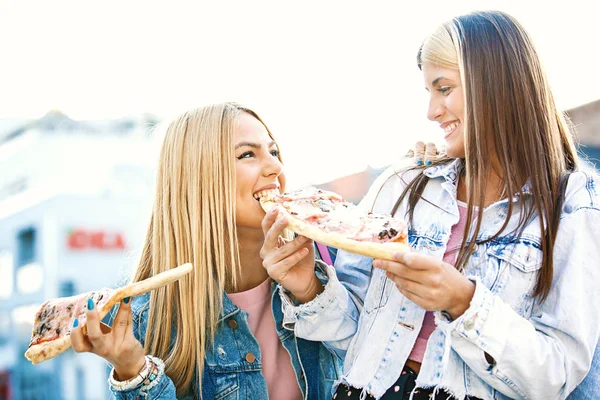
336	81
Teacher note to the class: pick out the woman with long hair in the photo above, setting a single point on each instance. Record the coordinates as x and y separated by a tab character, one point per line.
499	298
216	333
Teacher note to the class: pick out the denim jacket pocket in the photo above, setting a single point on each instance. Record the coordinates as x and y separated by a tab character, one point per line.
225	381
517	265
379	291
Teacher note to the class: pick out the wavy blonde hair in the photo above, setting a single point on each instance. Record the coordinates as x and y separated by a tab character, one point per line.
193	220
510	110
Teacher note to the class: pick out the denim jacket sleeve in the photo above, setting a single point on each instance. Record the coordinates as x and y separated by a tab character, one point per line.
549	354
162	388
332	317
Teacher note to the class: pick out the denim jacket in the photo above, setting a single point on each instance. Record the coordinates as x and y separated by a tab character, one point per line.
227	375
541	351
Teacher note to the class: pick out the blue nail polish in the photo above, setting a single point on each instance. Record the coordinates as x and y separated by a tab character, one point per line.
126	300
419	161
75	322
90	304
428	162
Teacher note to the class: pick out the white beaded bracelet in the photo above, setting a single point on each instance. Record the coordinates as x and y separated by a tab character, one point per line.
135	381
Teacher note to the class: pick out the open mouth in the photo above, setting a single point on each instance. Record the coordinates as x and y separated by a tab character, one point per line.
448	129
265	193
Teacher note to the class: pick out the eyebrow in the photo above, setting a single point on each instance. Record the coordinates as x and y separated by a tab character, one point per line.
437	80
253	145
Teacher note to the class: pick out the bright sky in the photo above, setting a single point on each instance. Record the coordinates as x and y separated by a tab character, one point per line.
336	81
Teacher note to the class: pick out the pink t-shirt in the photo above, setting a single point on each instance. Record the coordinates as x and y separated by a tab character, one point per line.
452	249
276	365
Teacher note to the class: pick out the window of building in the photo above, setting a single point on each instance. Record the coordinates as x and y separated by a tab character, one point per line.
6	274
26	247
66	289
29	274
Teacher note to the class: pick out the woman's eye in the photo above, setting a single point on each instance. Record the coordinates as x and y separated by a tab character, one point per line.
275	153
247	154
444	90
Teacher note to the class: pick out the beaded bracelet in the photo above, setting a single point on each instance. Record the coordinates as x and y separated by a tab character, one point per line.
147	375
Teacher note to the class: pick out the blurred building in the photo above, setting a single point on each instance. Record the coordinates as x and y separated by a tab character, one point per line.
75	197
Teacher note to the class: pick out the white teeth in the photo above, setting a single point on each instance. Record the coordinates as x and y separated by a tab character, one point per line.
262	194
451	127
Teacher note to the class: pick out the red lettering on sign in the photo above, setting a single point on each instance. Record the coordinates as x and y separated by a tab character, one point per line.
80	239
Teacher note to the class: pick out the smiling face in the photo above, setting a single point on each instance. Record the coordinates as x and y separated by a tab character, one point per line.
446	105
257	168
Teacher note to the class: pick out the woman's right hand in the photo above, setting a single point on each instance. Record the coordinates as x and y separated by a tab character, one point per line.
117	345
425	154
291	263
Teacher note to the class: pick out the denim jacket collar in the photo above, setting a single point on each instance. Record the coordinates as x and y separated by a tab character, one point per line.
229	308
451	171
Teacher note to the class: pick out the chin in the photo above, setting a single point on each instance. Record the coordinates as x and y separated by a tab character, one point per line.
455	151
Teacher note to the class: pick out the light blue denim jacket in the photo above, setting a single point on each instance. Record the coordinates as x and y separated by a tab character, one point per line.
227	375
541	351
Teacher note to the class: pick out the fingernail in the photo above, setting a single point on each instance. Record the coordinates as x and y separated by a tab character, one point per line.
419	161
428	162
398	256
377	264
90	304
126	300
75	322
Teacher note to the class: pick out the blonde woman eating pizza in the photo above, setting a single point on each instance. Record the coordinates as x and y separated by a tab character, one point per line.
217	333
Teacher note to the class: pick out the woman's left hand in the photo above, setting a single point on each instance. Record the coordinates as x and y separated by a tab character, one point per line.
432	284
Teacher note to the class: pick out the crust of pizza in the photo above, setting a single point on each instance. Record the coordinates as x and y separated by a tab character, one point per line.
383	251
40	352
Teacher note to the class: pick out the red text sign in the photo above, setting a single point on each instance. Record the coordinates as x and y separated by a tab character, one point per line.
80	239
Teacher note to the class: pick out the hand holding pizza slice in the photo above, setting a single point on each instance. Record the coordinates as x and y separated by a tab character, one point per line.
51	333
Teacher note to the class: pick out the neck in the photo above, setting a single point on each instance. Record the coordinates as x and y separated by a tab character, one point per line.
252	271
492	190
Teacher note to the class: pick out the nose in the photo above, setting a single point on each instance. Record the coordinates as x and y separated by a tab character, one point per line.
436	108
272	166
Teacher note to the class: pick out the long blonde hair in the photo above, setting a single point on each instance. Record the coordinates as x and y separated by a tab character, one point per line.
509	110
193	220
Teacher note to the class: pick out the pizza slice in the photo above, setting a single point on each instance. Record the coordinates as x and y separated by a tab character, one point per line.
51	334
327	218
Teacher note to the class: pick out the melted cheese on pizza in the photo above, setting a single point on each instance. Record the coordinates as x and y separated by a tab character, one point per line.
330	213
55	317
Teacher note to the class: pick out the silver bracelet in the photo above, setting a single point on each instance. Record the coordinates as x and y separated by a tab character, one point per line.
133	382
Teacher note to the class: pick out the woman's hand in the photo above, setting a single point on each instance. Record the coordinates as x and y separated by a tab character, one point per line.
118	346
425	154
432	284
290	263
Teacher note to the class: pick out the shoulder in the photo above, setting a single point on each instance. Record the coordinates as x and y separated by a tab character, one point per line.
140	306
583	192
388	187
